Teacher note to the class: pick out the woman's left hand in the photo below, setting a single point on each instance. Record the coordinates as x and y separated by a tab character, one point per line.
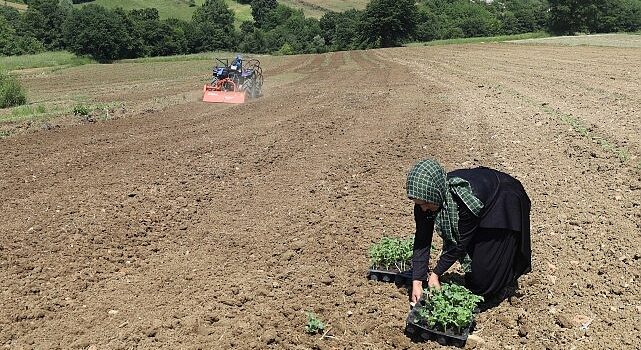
433	282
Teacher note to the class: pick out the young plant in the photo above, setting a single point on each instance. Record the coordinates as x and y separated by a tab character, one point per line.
314	324
392	252
451	307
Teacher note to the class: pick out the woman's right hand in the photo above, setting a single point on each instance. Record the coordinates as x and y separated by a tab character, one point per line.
417	291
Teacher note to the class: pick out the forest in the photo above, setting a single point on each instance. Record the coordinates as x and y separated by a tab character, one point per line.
111	34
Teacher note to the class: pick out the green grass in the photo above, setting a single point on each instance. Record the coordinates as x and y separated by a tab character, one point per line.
241	12
24	112
203	56
18	5
39	112
30	112
630	40
45	59
484	39
317	8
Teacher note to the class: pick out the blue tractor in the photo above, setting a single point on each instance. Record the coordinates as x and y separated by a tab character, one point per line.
232	83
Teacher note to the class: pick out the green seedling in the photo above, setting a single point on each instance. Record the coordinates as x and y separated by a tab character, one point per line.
81	110
314	324
449	308
391	252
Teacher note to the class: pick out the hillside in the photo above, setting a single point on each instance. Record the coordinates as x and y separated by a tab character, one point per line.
180	8
17	6
174	8
316	8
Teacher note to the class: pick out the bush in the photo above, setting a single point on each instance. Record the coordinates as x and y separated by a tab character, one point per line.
11	92
81	110
286	49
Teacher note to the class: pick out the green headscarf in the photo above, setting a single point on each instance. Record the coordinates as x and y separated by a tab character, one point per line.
428	181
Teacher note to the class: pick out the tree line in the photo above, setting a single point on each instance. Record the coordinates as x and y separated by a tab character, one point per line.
111	34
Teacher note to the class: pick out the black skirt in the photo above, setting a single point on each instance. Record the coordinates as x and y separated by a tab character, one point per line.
495	261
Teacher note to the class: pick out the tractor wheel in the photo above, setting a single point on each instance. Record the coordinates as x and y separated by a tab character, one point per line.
248	87
258	85
258	89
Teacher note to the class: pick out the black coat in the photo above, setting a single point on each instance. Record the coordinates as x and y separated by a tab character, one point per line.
506	206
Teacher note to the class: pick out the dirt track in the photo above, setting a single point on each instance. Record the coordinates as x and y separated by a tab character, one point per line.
189	225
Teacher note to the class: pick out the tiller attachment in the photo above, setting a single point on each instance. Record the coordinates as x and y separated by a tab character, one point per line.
223	90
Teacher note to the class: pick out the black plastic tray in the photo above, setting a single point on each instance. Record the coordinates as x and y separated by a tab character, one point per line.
403	277
421	333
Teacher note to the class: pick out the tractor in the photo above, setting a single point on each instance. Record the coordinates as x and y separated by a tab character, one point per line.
235	82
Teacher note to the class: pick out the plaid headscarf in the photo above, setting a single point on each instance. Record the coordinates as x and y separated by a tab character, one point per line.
428	181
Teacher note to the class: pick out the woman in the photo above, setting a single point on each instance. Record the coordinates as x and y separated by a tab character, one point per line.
482	214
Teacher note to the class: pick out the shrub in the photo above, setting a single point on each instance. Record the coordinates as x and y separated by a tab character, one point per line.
11	92
286	49
81	110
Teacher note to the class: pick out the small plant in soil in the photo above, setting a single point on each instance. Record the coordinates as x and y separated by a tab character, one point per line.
449	309
392	253
314	324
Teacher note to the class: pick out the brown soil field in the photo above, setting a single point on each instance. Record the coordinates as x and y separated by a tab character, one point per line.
178	224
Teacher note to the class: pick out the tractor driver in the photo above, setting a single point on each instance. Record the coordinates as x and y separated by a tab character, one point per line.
237	64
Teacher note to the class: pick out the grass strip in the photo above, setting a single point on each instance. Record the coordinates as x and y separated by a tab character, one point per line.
484	39
203	56
57	59
40	112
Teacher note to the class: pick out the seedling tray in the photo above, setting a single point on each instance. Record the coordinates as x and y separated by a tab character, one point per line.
419	332
395	276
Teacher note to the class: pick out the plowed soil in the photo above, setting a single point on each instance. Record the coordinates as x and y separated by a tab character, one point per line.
183	225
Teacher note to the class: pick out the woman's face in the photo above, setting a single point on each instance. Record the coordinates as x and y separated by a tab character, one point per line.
426	206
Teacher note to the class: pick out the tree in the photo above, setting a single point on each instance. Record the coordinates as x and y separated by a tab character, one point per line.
253	38
147	24
618	15
474	19
7	38
387	23
106	35
341	30
213	27
570	16
171	39
260	9
14	39
284	25
432	24
521	16
44	20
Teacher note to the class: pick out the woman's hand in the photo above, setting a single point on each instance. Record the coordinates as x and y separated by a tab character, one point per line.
417	291
433	282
